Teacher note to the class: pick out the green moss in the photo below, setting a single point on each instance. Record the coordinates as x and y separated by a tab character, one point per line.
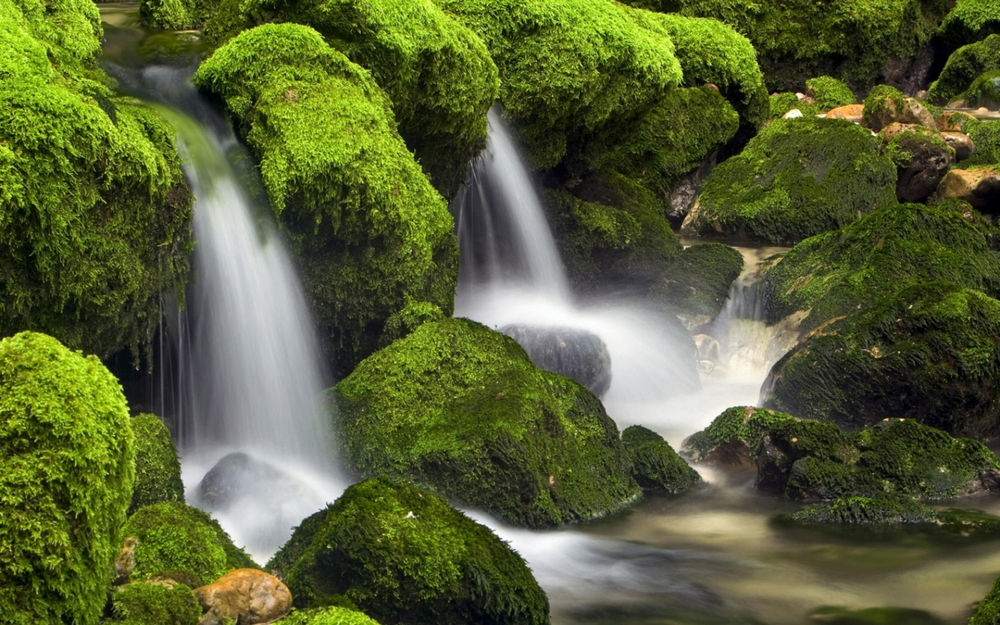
970	21
988	610
797	178
170	14
929	352
655	465
371	231
698	282
157	468
182	543
437	73
874	616
327	616
855	510
835	273
829	92
986	136
964	66
154	604
984	91
66	474
459	408
781	103
408	319
404	556
882	106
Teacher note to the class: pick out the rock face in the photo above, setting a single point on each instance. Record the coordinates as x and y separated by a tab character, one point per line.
245	596
572	352
404	556
922	157
238	475
496	432
980	187
886	105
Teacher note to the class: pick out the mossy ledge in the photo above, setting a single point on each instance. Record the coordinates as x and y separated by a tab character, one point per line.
157	467
370	231
496	433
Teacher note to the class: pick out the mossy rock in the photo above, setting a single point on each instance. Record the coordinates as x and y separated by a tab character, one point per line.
66	474
370	231
154	603
656	467
810	460
697	283
984	91
986	136
922	158
182	543
988	610
873	616
327	616
157	467
829	93
970	21
963	67
460	409
834	274
437	73
404	556
96	214
159	15
797	178
782	103
929	352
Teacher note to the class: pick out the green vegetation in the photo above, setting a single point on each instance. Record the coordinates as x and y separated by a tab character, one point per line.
797	178
781	103
171	14
66	474
157	468
963	67
985	91
154	603
404	556
811	460
833	274
371	231
698	281
655	465
873	616
829	92
459	409
182	543
327	616
970	21
986	136
988	610
929	352
437	73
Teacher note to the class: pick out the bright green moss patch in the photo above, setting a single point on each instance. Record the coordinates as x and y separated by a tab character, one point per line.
970	21
327	616
459	408
182	543
988	610
170	14
963	67
829	92
66	475
986	136
157	468
797	178
833	274
655	465
370	230
152	603
404	556
929	352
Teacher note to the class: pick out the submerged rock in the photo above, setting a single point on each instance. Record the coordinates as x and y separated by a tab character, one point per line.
573	352
403	555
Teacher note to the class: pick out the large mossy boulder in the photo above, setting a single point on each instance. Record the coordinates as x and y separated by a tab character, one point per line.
810	460
371	232
96	214
404	556
461	410
157	15
797	178
655	465
963	67
437	73
154	603
173	540
988	610
833	274
970	21
697	284
157	467
66	474
929	352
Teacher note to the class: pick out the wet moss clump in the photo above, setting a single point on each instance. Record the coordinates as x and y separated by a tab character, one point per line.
437	73
988	610
458	408
970	21
829	93
963	67
986	136
182	543
797	178
697	283
157	468
66	474
656	467
157	15
371	231
404	556
154	603
833	274
929	352
327	616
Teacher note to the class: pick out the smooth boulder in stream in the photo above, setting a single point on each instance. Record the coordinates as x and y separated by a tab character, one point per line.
573	352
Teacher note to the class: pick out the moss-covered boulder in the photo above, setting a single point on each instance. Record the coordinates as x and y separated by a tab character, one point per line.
154	603
182	543
886	105
327	616
810	460
964	66
96	215
922	157
833	274
783	103
656	467
459	409
370	230
157	15
697	283
984	92
437	73
66	474
797	178
157	467
404	556
985	135
970	21
988	610
929	352
828	92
